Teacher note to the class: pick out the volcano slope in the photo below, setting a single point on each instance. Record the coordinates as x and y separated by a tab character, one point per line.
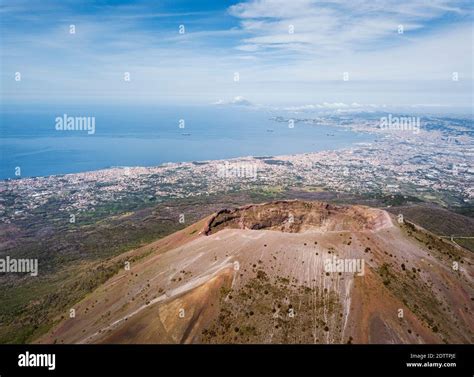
261	274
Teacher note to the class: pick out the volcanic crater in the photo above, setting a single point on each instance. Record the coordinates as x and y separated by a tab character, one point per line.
257	274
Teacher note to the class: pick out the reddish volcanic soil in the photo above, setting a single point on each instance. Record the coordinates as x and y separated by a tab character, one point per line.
260	274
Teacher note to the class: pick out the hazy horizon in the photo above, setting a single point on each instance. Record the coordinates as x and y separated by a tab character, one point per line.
269	52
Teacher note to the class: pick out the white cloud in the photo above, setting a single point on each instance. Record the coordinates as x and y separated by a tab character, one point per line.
275	66
320	28
236	101
331	106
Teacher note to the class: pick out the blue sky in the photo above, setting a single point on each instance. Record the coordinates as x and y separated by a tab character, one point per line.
286	52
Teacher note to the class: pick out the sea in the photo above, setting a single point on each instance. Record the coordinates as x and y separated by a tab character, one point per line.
35	143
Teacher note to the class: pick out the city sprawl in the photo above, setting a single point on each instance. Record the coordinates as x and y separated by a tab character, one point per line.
434	164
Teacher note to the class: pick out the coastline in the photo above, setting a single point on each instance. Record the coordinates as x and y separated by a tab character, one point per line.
428	165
